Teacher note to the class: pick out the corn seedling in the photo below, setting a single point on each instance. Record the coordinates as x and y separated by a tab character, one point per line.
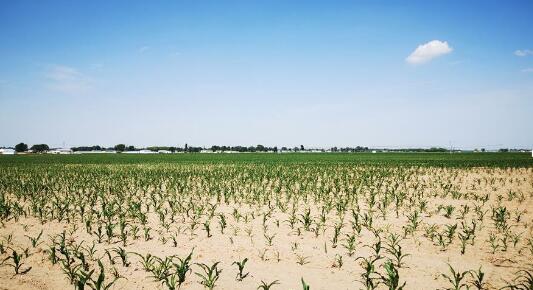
210	275
456	279
16	263
240	265
266	286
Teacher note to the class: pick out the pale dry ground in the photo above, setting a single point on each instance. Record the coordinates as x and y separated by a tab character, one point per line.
422	270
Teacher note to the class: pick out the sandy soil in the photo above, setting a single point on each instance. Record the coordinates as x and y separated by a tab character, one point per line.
245	238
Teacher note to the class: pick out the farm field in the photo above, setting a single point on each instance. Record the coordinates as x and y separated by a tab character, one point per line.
267	221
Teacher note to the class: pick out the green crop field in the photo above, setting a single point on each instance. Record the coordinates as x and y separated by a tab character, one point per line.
394	159
266	221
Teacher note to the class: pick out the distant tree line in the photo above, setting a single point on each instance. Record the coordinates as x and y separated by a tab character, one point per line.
40	148
432	149
174	149
258	148
350	149
88	148
37	148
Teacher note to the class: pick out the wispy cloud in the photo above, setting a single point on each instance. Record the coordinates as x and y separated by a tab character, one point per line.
528	70
428	51
523	52
143	49
67	79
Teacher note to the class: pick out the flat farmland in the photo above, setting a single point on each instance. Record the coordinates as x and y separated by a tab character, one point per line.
267	221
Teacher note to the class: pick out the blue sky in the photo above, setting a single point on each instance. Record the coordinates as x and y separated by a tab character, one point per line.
318	73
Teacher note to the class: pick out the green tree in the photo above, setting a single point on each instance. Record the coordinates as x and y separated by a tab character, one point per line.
21	147
120	147
40	148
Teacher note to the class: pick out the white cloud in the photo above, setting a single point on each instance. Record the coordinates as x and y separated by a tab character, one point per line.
66	79
528	70
428	51
523	52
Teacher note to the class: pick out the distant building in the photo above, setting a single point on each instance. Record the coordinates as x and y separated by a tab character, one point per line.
7	151
164	152
60	151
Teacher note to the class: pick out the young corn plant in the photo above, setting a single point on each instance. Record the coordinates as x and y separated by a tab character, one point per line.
456	279
146	261
207	228
306	219
240	265
301	260
70	269
16	263
337	262
350	244
266	286
210	275
52	254
82	279
336	232
123	255
161	269
478	280
269	239
100	282
522	281
464	239
397	254
171	281
392	277
222	223
369	278
182	268
35	240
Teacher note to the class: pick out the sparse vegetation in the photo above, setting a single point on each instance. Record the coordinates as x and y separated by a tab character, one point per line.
95	221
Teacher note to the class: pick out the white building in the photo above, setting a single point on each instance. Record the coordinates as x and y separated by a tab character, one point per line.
7	151
60	151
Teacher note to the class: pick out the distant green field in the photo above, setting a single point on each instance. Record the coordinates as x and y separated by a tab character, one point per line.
393	159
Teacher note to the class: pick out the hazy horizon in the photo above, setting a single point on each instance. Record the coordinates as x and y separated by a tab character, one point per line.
276	73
